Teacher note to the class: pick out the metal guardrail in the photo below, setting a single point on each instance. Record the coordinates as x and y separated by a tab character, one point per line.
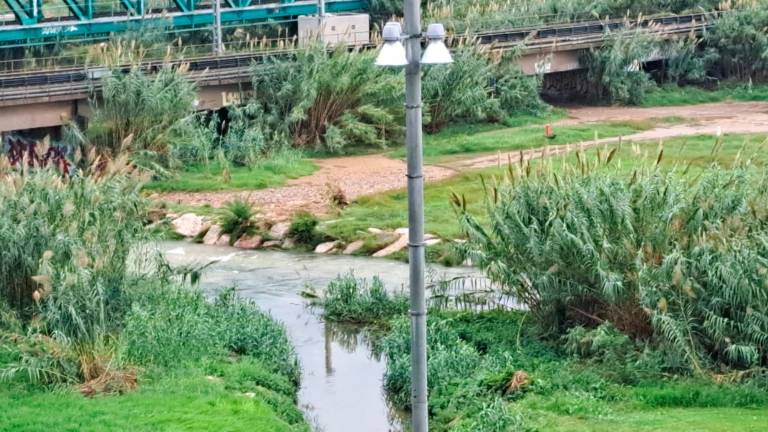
55	84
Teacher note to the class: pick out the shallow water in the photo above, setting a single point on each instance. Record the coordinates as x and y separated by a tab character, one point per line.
341	382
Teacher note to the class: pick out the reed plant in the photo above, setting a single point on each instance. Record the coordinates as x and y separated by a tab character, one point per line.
662	257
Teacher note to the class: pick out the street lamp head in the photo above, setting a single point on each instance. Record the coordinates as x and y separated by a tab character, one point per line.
436	52
392	53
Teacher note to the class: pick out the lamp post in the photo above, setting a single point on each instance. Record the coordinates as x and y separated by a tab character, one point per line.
394	54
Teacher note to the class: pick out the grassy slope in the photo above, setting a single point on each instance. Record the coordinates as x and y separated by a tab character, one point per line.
199	178
674	95
186	401
389	210
666	419
464	140
577	395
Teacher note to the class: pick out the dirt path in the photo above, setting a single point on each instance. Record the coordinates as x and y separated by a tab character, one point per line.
355	175
364	175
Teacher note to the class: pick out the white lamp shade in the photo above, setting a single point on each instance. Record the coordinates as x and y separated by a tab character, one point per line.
436	53
392	54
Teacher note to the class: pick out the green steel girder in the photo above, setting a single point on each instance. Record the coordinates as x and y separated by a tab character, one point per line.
239	3
38	33
135	7
82	12
27	12
186	5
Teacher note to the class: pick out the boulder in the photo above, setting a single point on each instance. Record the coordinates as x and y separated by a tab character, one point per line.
189	225
398	245
375	231
353	247
223	240
279	230
327	247
212	236
271	244
248	242
432	241
402	231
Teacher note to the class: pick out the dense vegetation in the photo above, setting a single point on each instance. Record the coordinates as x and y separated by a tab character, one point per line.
662	258
87	307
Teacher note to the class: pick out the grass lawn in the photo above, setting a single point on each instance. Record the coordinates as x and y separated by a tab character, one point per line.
689	95
388	210
463	140
199	178
664	419
187	400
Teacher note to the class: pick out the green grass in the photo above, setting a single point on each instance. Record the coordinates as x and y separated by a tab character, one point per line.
198	178
465	140
678	419
186	401
689	95
389	210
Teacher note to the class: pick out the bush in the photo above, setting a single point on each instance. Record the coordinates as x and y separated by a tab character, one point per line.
739	43
304	228
616	67
141	107
236	217
659	257
169	326
350	299
327	101
66	244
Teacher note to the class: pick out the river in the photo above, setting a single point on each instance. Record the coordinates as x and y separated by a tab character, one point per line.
341	381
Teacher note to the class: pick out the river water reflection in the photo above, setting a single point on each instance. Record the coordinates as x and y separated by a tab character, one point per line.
341	383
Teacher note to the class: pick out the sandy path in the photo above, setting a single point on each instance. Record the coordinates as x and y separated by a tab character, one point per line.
365	175
355	175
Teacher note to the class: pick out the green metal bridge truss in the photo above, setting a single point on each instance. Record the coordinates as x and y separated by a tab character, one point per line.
31	28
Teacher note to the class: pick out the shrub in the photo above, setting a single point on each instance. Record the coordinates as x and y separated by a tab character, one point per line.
739	43
327	101
304	228
236	217
67	243
350	299
141	107
657	256
171	325
459	91
616	67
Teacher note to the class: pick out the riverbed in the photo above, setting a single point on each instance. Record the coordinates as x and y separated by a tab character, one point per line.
341	381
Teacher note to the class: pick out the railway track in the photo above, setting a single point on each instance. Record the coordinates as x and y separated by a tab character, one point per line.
68	82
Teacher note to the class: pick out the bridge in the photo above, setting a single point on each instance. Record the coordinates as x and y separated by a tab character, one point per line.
44	98
82	21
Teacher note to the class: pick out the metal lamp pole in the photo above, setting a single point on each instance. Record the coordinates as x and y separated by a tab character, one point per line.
413	140
394	54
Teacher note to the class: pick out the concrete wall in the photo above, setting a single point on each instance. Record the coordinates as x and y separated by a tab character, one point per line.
36	115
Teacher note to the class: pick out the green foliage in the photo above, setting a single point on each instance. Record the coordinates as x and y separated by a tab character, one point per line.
137	112
67	242
237	217
738	42
349	299
304	228
459	91
327	101
656	256
172	326
616	67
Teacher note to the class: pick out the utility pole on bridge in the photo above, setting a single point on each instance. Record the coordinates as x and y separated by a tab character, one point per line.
218	43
